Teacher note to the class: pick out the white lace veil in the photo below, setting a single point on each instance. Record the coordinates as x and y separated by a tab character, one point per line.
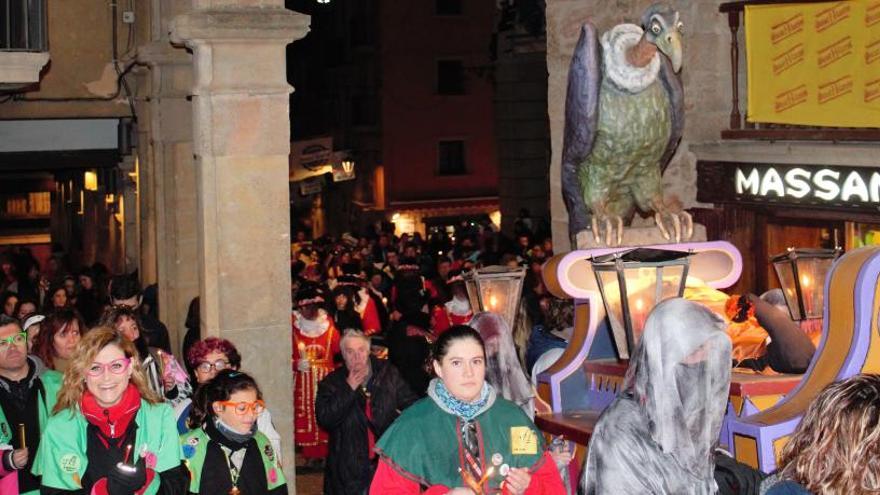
666	422
503	369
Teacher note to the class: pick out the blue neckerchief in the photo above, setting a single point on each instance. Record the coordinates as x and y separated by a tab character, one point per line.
464	410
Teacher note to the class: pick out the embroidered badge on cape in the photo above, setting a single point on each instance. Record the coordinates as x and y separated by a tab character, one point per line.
523	440
70	463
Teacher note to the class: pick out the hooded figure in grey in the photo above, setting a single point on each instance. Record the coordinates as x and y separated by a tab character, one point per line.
503	369
659	434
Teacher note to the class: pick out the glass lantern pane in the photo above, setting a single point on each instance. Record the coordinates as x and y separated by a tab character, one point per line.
471	286
812	272
786	280
641	292
496	295
613	307
672	281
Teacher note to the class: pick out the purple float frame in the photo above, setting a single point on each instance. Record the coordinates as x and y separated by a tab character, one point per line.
718	278
863	308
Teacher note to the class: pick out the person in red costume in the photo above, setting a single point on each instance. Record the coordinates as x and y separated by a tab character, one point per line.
457	310
356	291
463	439
315	342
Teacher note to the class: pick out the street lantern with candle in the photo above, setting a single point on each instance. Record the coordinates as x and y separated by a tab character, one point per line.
495	289
802	274
633	282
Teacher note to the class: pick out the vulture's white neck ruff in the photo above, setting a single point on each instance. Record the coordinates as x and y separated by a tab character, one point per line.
615	43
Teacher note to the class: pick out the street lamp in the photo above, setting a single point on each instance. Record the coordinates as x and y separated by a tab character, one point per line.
633	282
495	289
802	274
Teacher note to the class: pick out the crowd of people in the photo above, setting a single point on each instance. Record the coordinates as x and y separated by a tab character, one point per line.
400	386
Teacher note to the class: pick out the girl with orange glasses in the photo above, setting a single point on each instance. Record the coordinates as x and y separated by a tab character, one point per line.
225	452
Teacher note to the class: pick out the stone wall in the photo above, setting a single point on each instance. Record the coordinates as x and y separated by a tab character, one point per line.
706	42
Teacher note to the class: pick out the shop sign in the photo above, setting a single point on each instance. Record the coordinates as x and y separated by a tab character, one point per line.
823	186
311	186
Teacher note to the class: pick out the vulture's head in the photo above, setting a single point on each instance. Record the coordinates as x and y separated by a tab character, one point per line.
663	29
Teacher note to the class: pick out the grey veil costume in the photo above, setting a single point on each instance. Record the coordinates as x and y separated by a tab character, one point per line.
659	434
503	369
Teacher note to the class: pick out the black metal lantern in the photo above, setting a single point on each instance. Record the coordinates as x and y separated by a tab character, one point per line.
495	289
802	274
632	283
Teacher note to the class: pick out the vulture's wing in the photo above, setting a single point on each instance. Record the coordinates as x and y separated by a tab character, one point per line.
581	121
672	84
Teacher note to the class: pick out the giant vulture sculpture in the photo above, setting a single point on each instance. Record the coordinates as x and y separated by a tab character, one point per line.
624	116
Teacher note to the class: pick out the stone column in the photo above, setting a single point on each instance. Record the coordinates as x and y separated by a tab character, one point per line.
167	184
241	144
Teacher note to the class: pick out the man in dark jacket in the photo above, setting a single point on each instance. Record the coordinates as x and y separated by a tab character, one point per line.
356	404
126	291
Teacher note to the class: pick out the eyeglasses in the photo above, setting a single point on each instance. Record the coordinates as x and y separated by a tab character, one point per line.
219	365
241	408
117	367
17	339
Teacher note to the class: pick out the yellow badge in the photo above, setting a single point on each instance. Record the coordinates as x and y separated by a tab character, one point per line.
523	440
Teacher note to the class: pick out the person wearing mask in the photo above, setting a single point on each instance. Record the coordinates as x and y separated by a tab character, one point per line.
27	395
209	357
110	433
355	405
463	438
125	291
57	337
226	452
659	435
164	374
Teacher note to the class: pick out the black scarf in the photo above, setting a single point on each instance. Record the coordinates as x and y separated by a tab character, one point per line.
216	478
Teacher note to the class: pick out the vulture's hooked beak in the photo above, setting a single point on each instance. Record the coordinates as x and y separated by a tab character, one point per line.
669	42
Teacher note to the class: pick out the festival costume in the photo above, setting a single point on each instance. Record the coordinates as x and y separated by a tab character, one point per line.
658	436
426	449
209	455
43	391
317	341
454	312
70	442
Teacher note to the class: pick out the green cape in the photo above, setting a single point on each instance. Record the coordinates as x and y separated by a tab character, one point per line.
51	381
195	446
423	444
61	459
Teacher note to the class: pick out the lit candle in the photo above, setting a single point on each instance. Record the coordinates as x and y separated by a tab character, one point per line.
493	303
807	294
302	349
639	316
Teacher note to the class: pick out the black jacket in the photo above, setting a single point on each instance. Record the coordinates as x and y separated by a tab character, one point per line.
342	412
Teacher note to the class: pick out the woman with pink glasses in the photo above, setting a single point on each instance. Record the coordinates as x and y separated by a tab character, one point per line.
111	434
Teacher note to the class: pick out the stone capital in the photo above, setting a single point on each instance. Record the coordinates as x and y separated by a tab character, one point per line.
21	68
239	25
162	53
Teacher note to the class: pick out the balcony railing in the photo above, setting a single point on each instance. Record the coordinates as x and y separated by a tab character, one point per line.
23	26
740	128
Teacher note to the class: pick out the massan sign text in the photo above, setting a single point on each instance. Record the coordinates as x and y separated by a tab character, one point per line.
825	184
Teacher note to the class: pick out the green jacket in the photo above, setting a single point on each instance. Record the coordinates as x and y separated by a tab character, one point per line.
424	443
195	446
51	381
61	459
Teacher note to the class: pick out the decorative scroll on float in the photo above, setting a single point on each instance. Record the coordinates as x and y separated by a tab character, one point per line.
814	63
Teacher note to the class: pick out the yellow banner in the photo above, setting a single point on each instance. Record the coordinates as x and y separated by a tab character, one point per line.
814	63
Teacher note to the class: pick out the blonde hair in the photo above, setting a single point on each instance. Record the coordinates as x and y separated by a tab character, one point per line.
836	447
87	349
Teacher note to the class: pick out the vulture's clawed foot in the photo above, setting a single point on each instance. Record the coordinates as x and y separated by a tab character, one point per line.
607	230
678	225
